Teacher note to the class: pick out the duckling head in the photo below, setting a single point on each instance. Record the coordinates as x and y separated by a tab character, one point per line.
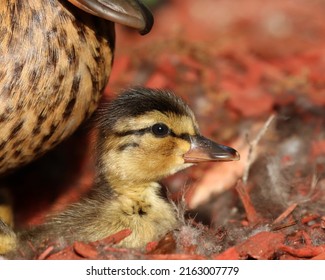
146	135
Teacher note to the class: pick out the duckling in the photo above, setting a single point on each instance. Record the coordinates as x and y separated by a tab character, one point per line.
144	135
55	61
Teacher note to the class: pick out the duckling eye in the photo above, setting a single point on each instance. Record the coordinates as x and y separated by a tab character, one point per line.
160	130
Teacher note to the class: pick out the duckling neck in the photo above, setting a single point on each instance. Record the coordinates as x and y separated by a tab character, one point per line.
125	185
137	207
135	190
143	195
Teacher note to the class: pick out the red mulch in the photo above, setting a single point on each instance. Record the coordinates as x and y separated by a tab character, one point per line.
236	63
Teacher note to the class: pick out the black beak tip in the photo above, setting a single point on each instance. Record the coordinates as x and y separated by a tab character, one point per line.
228	154
148	18
236	155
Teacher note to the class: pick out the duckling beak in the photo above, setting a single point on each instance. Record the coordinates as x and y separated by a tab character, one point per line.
203	149
131	13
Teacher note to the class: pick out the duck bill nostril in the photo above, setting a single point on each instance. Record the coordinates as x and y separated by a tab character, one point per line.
203	149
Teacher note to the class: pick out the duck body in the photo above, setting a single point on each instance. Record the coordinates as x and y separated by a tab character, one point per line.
148	214
55	60
143	136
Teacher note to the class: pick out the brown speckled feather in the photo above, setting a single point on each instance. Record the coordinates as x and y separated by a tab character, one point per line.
54	63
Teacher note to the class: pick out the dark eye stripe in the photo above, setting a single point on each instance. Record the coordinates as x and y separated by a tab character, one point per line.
142	131
133	132
184	136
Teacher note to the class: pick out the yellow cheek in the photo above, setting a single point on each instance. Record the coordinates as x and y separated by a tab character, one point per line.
183	146
164	148
152	159
168	156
